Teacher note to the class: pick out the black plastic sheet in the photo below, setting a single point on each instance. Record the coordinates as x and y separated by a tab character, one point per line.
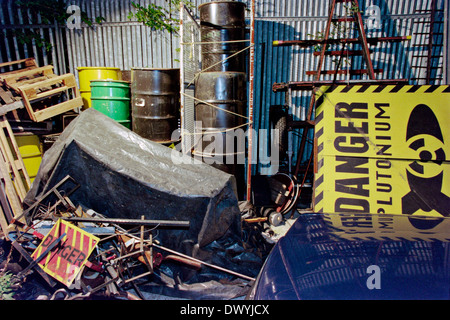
123	175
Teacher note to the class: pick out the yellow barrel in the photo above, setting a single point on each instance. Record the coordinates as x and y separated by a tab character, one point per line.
86	74
30	151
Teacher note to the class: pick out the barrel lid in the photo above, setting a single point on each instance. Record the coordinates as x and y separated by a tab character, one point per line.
97	68
225	1
155	69
106	80
222	73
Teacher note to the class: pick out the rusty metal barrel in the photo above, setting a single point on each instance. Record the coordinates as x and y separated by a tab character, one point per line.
220	107
221	111
155	103
222	29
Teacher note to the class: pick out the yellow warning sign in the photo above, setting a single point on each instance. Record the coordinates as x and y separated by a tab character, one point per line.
69	255
398	122
383	149
388	227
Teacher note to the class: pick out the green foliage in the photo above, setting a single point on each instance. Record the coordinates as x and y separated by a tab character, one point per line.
29	36
353	8
9	283
99	20
318	36
50	11
337	30
158	17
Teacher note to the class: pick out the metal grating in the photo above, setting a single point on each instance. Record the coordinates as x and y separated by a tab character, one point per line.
190	65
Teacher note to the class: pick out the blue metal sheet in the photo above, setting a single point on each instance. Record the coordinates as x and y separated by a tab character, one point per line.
320	260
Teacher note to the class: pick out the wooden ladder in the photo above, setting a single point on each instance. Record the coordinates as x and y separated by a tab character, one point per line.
362	39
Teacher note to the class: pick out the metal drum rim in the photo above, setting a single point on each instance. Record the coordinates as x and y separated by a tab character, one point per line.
220	101
97	68
154	93
109	98
224	1
221	72
156	117
156	69
106	80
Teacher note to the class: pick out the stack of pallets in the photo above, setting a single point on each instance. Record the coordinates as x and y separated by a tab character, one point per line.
38	89
43	95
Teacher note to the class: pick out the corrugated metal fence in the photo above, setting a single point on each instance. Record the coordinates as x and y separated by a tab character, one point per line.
302	20
24	35
118	41
122	43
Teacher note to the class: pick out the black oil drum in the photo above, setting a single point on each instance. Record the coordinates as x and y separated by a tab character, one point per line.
220	23
220	118
155	103
220	100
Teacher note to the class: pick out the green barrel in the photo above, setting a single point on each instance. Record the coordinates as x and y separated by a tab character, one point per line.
112	98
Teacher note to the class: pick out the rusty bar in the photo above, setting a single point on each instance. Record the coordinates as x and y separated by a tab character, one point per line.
204	263
341	52
152	223
29	259
325	41
363	37
307	43
309	85
251	99
352	72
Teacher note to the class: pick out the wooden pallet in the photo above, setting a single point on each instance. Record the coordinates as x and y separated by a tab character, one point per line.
11	156
8	102
18	65
6	215
16	79
14	179
42	90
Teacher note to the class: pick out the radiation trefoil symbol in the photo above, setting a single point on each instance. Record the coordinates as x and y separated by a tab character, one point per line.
425	177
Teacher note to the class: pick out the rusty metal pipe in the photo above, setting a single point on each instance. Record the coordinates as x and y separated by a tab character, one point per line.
150	223
192	263
205	263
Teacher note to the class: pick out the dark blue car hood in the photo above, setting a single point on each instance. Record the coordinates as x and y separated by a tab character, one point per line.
358	256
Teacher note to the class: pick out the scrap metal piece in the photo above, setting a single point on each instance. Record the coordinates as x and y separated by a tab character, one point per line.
42	255
31	211
27	257
142	222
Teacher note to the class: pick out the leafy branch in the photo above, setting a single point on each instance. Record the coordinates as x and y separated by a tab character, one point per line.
158	17
50	12
338	29
29	36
